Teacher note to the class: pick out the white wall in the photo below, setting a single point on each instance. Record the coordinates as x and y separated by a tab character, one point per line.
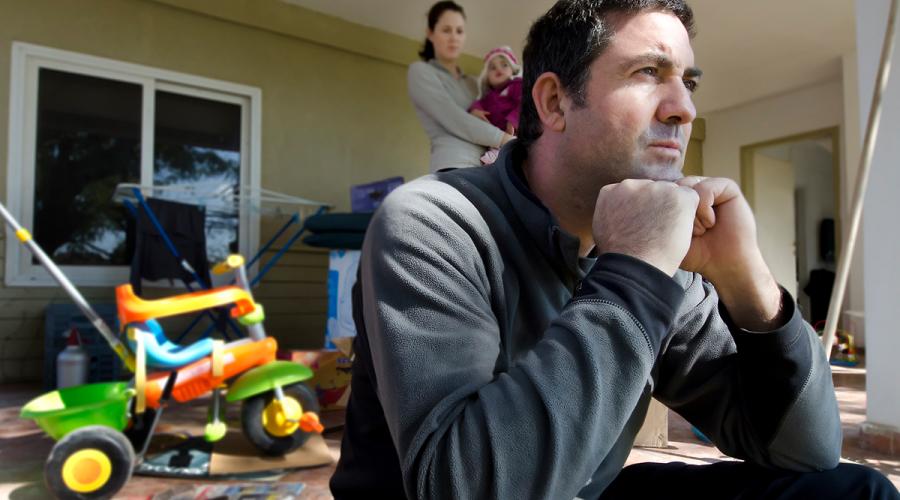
804	110
881	223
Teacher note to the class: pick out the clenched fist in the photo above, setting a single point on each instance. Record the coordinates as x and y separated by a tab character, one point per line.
648	220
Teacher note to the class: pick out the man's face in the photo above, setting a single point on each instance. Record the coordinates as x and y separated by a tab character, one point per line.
637	117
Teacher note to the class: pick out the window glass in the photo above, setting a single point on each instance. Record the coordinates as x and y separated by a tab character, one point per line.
88	140
198	146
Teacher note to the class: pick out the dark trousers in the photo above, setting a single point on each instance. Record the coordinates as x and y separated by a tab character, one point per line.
739	480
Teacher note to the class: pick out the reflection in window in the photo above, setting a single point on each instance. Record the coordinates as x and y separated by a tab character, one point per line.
88	140
198	144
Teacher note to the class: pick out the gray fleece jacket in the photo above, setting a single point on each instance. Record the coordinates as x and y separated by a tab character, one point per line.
441	101
494	362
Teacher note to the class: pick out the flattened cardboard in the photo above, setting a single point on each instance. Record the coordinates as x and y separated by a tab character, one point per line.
235	455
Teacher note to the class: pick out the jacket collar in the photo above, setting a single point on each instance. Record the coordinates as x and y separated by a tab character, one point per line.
558	245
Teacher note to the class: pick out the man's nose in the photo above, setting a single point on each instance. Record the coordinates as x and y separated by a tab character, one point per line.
676	107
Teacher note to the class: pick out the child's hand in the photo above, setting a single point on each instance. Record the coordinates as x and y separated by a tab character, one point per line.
510	129
480	113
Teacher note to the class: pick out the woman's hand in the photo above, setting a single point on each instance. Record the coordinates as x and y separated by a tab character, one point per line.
480	113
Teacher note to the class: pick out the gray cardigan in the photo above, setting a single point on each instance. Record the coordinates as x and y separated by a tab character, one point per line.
458	139
494	362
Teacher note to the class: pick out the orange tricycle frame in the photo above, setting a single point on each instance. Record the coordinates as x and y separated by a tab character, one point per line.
196	379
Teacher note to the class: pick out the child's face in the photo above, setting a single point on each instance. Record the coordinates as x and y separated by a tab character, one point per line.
499	71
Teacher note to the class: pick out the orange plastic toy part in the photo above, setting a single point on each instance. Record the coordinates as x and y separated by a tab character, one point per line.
197	378
309	422
133	308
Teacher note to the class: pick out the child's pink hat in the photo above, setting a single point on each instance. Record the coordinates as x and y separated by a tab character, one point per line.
502	50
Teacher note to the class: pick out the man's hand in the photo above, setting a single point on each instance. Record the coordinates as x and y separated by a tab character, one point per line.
648	220
724	250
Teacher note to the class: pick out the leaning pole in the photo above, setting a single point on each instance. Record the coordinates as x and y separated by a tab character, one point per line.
862	180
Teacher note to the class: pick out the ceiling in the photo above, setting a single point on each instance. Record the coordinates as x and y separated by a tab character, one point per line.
747	49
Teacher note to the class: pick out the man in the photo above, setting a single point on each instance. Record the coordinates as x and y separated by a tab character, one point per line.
515	320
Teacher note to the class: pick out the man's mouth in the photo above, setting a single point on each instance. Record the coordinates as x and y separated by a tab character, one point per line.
667	145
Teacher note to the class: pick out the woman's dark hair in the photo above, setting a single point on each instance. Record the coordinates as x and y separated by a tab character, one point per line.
568	38
434	14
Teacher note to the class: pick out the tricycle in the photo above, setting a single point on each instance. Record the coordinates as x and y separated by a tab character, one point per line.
103	430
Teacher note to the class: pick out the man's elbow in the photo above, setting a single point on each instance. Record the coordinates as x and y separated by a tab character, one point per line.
808	449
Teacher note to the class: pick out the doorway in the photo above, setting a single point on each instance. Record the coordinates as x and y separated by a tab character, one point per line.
793	185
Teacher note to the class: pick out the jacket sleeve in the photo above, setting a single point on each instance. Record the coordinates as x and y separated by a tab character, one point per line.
765	397
461	428
428	94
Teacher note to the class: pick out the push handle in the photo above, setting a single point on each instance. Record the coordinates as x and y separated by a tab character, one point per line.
25	237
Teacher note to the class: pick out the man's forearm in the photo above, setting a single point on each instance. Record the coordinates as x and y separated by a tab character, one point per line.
752	296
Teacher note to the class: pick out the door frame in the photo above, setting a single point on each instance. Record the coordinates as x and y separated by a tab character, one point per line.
747	169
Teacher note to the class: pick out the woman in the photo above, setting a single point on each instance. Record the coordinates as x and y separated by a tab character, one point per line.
441	94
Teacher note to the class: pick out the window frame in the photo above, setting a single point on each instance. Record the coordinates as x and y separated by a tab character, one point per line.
27	60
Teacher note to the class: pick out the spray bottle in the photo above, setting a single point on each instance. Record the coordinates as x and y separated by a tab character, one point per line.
72	363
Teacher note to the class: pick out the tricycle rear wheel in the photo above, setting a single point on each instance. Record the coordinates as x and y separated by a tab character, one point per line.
91	462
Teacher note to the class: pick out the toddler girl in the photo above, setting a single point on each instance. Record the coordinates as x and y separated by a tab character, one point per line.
500	94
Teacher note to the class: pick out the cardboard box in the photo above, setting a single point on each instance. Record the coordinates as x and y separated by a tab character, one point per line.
331	375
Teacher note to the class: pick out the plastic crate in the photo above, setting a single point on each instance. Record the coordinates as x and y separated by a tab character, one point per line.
105	365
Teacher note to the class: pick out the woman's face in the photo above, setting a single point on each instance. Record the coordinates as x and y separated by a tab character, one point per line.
448	36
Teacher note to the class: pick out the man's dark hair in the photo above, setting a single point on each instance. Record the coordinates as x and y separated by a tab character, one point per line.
568	38
434	15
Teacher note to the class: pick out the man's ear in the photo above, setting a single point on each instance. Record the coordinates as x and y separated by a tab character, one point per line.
548	96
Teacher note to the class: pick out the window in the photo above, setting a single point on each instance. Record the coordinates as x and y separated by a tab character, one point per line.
81	125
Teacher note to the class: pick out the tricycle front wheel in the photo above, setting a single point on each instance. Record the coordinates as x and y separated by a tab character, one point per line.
91	462
263	421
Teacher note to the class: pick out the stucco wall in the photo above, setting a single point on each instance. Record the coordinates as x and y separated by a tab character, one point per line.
804	110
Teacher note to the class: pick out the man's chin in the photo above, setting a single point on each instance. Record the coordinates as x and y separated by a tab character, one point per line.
660	173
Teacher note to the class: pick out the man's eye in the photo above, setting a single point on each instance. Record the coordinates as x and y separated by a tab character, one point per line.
691	85
649	71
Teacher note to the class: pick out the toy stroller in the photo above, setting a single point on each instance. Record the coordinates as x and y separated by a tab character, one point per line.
99	427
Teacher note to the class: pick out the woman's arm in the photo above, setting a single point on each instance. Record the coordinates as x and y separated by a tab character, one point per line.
428	94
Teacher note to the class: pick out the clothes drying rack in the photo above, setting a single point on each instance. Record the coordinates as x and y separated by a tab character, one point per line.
228	200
